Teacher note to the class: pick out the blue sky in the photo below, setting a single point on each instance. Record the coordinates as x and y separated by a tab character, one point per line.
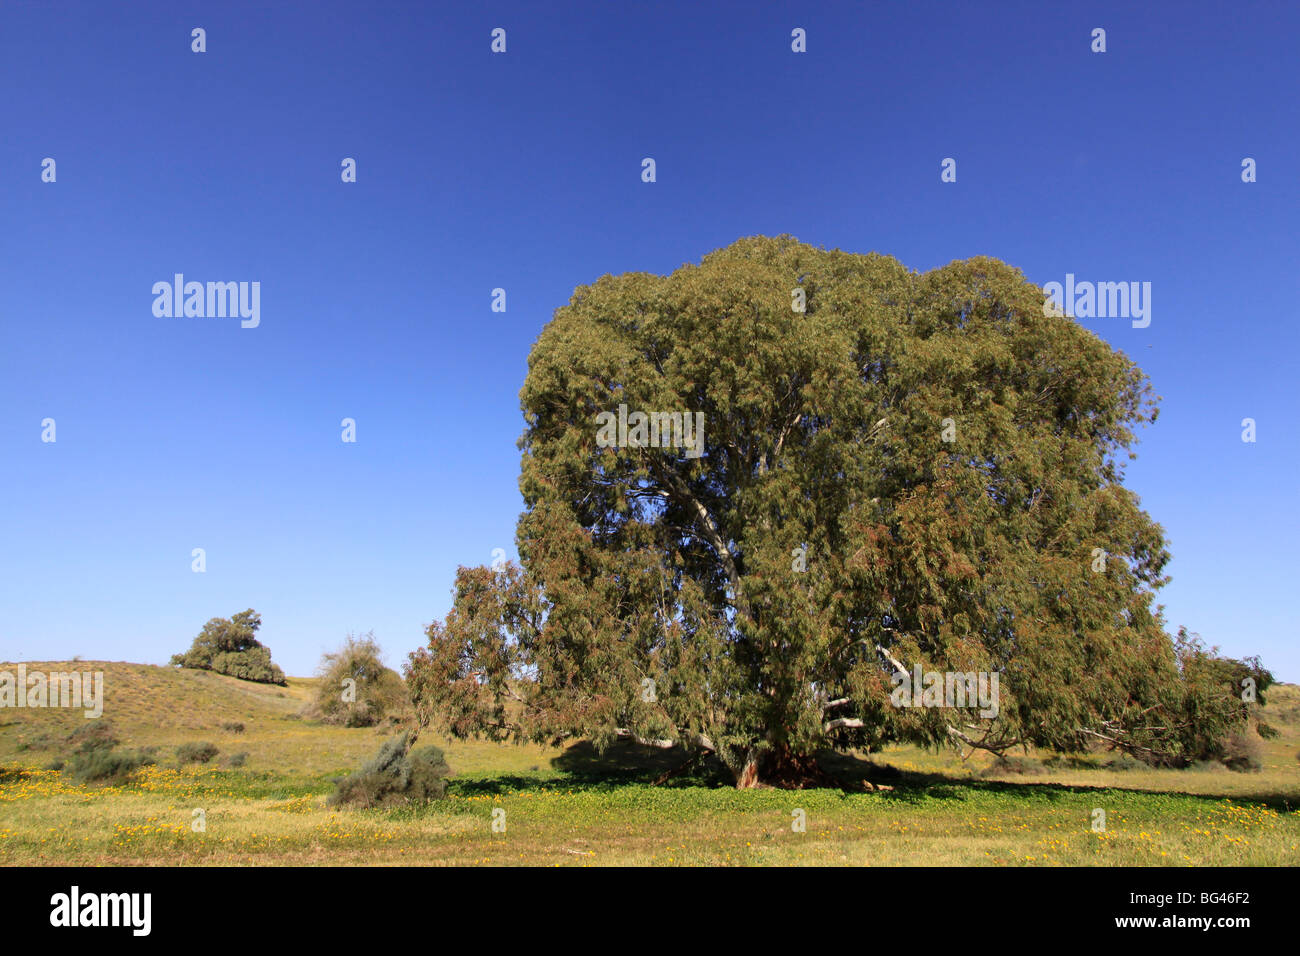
522	171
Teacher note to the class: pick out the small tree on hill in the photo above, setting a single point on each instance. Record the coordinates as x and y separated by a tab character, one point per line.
356	689
229	646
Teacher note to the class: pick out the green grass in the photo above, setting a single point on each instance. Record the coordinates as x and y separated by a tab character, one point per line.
576	807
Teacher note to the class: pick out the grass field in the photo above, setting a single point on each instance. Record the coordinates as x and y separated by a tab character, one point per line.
573	806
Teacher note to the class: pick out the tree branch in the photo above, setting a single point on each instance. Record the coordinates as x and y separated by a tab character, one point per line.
850	722
712	535
982	744
663	744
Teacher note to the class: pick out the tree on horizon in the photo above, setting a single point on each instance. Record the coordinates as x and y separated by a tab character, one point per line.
230	646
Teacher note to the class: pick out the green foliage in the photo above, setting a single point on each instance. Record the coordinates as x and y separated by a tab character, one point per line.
1243	753
96	758
106	766
1209	717
229	646
395	776
1123	762
196	752
376	692
42	741
94	734
1020	766
916	470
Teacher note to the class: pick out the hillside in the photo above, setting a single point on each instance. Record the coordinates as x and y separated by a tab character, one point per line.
164	707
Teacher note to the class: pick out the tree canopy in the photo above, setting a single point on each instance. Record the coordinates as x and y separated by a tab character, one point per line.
898	473
230	646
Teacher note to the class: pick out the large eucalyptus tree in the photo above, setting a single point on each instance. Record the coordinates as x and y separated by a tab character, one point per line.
896	474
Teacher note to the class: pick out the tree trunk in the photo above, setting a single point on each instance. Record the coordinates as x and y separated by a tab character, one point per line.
781	767
748	775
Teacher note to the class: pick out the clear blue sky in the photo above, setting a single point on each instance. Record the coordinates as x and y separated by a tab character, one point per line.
522	171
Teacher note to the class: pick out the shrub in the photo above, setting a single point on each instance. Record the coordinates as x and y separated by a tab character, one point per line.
1017	765
96	758
378	693
94	734
41	741
394	776
196	752
106	765
237	760
1072	761
1125	762
1242	753
234	727
228	646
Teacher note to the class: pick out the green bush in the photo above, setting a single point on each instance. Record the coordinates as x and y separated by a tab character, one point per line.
1242	753
196	752
377	694
97	760
228	646
93	734
1124	762
1017	765
1071	761
394	776
42	741
237	760
106	765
